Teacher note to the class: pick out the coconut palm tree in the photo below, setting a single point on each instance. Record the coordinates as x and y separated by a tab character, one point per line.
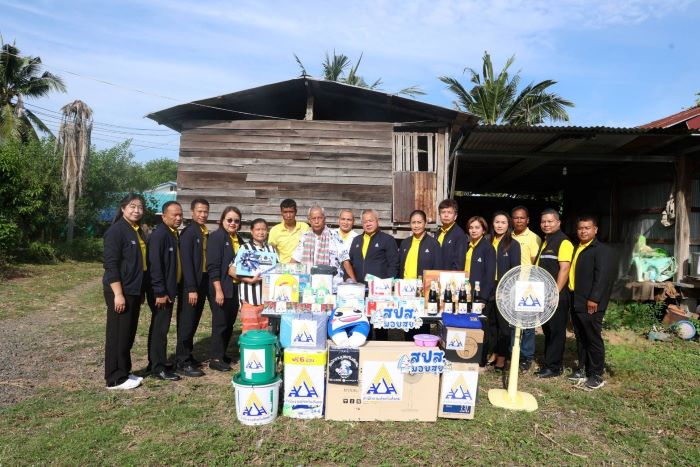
339	67
21	78
495	98
74	140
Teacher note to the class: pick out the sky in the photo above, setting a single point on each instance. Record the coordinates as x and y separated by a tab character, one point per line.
623	63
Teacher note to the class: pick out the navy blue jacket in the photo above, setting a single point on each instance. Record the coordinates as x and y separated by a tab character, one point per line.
382	257
483	268
593	277
162	262
506	260
428	254
454	248
191	240
219	256
123	261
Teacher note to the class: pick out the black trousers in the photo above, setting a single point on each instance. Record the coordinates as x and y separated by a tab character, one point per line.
158	334
188	318
500	332
222	320
120	334
589	341
555	334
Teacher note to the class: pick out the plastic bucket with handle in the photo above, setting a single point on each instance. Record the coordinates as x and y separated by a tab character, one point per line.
259	351
256	404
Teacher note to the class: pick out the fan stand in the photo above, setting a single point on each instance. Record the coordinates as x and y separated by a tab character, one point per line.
511	398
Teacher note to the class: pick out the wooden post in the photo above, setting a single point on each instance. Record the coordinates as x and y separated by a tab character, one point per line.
309	107
681	249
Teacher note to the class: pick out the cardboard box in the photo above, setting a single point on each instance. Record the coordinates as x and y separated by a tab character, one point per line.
304	383
462	345
458	388
383	392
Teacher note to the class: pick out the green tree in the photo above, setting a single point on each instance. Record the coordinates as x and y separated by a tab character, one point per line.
74	141
339	67
21	78
159	171
495	99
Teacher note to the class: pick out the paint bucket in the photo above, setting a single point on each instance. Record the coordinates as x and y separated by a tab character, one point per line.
256	404
304	383
259	351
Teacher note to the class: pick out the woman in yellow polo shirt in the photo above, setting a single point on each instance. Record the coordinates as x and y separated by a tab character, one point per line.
417	253
480	266
420	251
507	257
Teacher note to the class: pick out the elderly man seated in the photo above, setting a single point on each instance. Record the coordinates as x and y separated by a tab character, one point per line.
322	246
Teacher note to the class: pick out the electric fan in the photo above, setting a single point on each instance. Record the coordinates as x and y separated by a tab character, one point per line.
527	297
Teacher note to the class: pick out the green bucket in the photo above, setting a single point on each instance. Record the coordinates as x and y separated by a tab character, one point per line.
259	351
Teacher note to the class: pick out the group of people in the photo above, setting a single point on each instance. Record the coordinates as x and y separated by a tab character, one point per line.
183	269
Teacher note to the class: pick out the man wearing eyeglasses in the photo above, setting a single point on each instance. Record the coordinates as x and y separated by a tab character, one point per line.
285	236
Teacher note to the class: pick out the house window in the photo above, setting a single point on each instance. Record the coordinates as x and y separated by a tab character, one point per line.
414	152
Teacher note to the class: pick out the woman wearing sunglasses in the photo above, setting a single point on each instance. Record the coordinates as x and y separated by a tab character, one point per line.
222	246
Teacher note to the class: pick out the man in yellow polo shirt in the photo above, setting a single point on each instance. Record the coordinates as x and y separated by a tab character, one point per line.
590	280
555	257
285	236
529	246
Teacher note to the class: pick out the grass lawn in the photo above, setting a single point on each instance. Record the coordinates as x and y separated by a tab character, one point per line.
646	413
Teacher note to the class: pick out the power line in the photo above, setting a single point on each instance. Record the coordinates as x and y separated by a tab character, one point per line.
98	123
59	120
132	142
147	93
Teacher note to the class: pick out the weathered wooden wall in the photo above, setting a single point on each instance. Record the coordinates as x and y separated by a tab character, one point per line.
255	164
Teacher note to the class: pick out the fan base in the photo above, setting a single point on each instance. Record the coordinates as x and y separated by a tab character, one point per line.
521	401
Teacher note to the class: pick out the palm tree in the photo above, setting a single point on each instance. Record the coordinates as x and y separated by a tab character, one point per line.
74	139
495	99
335	68
21	78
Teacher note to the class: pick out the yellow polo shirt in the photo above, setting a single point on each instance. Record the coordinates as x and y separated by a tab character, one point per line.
366	240
284	241
142	245
410	269
572	271
178	274
566	251
443	232
529	245
468	258
205	235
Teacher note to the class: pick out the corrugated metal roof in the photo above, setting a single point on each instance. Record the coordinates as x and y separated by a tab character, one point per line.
332	101
688	116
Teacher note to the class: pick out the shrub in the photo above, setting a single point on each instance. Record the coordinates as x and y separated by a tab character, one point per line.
39	252
10	236
633	315
81	249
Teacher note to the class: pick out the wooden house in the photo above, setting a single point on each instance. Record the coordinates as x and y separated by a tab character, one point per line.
318	142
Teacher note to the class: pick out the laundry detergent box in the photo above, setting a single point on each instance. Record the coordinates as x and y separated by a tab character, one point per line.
382	390
458	386
379	304
462	345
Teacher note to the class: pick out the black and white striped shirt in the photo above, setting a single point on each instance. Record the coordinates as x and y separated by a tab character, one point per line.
252	293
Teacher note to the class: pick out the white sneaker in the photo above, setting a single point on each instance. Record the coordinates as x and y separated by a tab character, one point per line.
135	378
128	384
